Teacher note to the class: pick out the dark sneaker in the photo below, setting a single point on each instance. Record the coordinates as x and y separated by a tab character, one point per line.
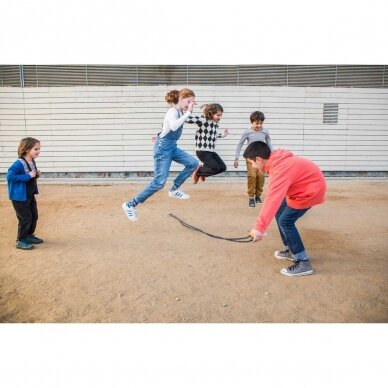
22	244
299	268
284	255
257	199
33	240
251	202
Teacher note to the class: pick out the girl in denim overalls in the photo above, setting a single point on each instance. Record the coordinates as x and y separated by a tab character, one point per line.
166	151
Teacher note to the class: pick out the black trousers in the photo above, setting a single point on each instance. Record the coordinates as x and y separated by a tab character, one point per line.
212	163
27	214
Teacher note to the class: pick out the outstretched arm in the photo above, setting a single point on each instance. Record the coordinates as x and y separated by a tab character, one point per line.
174	121
268	141
195	120
240	144
277	190
226	133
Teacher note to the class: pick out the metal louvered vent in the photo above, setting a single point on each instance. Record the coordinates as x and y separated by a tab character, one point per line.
274	75
330	113
157	75
214	75
111	75
54	75
361	76
9	75
311	75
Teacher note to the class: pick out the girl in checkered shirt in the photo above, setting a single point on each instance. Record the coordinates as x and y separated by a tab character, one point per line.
205	141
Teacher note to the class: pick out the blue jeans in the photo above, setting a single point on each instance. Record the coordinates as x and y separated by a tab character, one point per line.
286	217
165	152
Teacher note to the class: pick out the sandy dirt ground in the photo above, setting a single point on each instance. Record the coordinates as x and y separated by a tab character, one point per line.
97	266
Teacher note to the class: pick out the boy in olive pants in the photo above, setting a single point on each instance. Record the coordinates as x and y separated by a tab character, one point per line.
255	177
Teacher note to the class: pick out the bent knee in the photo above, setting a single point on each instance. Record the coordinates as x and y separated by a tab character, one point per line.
284	222
158	185
219	170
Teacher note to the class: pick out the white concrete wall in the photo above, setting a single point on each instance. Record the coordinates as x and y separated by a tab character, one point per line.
102	129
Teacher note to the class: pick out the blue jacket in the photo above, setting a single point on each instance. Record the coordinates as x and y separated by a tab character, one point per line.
17	180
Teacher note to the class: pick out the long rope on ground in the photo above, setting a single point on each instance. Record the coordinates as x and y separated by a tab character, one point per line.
233	239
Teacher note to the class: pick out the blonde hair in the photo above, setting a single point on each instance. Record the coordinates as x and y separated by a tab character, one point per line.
209	110
173	96
26	144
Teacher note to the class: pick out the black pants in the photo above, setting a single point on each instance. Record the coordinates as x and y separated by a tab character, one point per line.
212	163
27	214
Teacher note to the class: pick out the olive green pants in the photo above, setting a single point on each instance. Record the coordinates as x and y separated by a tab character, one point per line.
255	180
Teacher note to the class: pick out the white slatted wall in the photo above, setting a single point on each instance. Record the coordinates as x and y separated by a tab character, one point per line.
109	129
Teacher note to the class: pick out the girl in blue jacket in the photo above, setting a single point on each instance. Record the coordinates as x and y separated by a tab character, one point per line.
22	187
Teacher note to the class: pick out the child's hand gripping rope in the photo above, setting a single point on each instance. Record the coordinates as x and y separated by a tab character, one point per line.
256	235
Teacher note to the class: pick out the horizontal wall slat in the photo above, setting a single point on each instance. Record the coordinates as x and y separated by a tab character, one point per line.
98	128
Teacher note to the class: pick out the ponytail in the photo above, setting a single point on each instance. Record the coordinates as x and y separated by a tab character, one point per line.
173	96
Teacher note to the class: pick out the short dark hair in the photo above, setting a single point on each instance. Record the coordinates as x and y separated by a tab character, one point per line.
257	149
257	116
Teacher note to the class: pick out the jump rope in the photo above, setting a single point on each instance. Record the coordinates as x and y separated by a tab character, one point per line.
246	239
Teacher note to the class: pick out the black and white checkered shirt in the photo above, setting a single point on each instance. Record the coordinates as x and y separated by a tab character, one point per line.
206	135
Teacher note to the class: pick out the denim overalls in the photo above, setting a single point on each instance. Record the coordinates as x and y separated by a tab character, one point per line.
165	152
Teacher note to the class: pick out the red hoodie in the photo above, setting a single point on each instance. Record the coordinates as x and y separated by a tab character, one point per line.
299	180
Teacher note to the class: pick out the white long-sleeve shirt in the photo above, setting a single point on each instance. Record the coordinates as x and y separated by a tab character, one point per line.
172	121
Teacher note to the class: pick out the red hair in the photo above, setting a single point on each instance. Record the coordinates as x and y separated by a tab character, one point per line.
173	96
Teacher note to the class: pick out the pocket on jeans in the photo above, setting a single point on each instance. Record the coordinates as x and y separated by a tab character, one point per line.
158	154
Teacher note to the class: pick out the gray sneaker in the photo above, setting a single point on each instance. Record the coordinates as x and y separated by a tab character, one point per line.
251	202
284	255
299	268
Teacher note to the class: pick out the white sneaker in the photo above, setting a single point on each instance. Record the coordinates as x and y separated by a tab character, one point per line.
178	194
130	211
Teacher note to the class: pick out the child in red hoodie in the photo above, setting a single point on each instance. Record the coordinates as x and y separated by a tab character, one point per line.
295	185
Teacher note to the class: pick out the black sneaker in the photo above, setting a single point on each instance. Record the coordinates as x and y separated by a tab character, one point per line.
257	199
33	240
251	202
22	244
299	268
